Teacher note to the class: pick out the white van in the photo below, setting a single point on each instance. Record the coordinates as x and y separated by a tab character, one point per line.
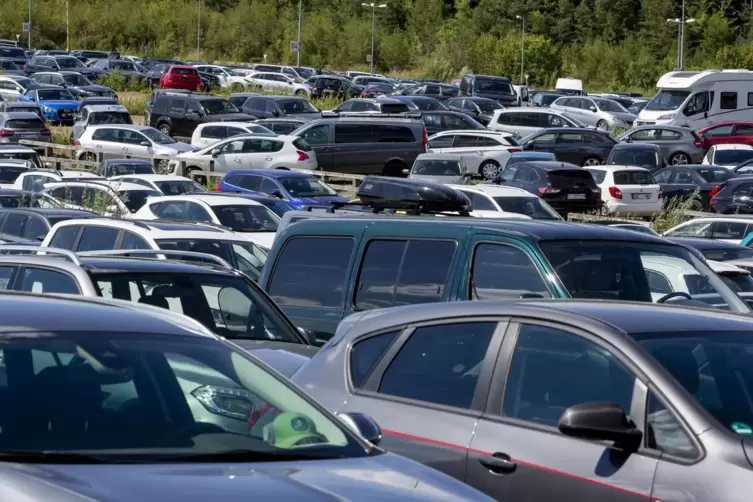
569	85
699	99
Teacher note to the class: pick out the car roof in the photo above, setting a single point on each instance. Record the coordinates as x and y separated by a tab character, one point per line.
213	199
549	165
286	98
161	229
22	104
16	149
106	108
660	126
151	177
732	146
533	155
20	115
474	132
614	167
228	123
132	127
636	146
115	185
698	242
495	190
126	161
271	173
440	156
52	213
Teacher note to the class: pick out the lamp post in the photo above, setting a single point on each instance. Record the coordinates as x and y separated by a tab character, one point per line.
681	22
300	16
67	28
29	42
373	8
522	47
198	30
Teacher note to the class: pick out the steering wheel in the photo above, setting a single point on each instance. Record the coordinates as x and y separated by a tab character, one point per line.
189	431
676	294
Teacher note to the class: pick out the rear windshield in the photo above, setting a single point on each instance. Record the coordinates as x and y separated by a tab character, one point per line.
493	85
301	144
24	124
183	71
247	218
131	168
297	106
394	108
9	174
12	52
436	168
529	206
633	178
100	118
739	283
732	157
715	174
134	199
570	177
632	157
598	175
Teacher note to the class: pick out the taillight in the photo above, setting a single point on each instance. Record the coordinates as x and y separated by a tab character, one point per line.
45	132
314	90
77	143
615	192
426	141
365	94
715	190
661	193
302	156
217	188
514	150
698	143
545	190
4	133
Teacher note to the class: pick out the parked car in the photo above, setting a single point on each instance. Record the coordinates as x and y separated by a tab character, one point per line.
691	181
281	125
717	250
437	121
371	105
730	228
20	152
11	169
334	85
491	200
628	190
14	54
58	105
528	120
13	87
179	113
119	167
281	106
211	132
421	103
605	114
436	90
734	196
269	81
481	109
376	89
181	77
277	206
489	86
109	198
445	168
34	180
492	149
16	126
726	132
78	85
10	197
8	67
526	156
240	98
583	147
228	78
678	145
544	99
58	63
644	155
94	115
728	154
21	106
34	223
168	184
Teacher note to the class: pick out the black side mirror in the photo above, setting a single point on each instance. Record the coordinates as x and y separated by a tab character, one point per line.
308	335
363	425
276	193
600	421
276	113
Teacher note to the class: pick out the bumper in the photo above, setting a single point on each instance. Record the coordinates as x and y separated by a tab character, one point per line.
580	206
633	209
186	86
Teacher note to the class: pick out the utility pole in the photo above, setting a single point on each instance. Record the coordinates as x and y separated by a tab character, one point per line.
522	48
67	28
198	30
29	25
373	8
300	14
681	22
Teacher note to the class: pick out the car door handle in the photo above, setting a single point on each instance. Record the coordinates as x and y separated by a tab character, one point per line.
98	146
499	463
326	149
267	158
237	160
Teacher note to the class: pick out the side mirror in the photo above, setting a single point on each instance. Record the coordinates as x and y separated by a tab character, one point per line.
276	193
145	143
628	140
215	153
592	108
363	425
276	113
406	172
308	335
600	421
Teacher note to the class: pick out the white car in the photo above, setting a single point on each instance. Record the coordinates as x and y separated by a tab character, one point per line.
20	152
528	120
121	140
268	81
493	147
11	170
13	86
101	234
248	152
499	201
628	190
731	228
108	198
209	133
168	184
239	214
229	78
35	180
728	154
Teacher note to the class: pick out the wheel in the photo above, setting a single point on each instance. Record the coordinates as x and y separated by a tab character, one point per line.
394	169
696	205
166	129
300	92
236	87
489	169
162	166
591	161
679	159
88	157
602	125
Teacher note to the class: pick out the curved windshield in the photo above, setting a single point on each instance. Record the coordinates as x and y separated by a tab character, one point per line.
667	100
633	157
54	94
608	105
247	218
73	79
221	401
493	85
436	167
134	199
245	256
297	106
259	129
739	283
488	106
157	136
114	169
637	271
529	206
69	63
218	106
305	187
636	108
178	187
732	157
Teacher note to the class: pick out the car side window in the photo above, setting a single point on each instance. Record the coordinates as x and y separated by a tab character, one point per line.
35	228
682	176
299	280
658	283
500	271
665	432
317	135
720	229
96	238
38	280
695	229
552	370
194	212
14	224
663	176
214	132
268	186
365	355
465	141
133	241
169	210
65	237
441	142
480	202
440	364
526	174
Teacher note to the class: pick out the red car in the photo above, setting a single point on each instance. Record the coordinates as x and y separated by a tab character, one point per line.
727	132
181	77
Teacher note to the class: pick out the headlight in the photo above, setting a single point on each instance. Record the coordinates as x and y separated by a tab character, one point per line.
669	116
232	403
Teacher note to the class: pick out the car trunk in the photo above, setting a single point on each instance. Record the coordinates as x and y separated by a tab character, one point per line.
637	187
571	190
27	128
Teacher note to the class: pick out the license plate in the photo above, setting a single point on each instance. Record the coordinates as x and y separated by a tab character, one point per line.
642	196
576	196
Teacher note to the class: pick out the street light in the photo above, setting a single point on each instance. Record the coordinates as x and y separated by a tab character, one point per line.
681	22
67	28
29	48
198	30
522	47
373	8
298	52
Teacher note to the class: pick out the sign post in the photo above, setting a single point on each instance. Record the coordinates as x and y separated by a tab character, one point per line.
294	46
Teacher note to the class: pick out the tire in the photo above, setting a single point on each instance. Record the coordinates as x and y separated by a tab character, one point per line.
394	169
696	205
236	87
592	161
489	169
300	93
165	128
88	157
602	125
679	159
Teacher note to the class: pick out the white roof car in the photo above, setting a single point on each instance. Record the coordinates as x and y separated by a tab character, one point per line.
20	152
271	81
248	152
211	132
234	248
728	154
108	198
726	228
529	119
492	147
11	169
250	218
628	190
439	168
168	184
35	180
499	201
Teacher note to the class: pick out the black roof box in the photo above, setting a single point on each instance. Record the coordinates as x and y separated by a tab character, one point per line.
381	192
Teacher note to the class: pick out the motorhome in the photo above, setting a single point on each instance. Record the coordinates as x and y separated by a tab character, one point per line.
698	99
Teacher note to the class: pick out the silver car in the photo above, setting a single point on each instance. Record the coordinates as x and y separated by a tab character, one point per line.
602	113
16	126
678	145
446	168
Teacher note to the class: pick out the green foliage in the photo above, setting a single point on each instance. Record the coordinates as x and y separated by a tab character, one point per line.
674	213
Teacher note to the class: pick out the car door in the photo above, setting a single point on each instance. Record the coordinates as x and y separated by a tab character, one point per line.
743	133
136	143
355	150
268	186
107	142
229	155
569	147
438	372
681	184
321	138
717	135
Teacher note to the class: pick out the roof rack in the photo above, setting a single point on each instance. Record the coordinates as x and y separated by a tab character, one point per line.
406	115
42	251
156	252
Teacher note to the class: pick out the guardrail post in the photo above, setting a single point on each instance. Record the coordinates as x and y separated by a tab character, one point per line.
211	166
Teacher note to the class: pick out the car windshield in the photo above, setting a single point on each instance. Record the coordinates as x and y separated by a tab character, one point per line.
100	118
123	65
259	129
305	187
129	168
716	368
247	256
667	100
529	206
488	106
28	155
636	108
608	105
732	157
739	283
247	218
218	106
715	174
436	167
636	271
74	79
33	124
69	62
171	398
493	85
297	106
9	174
178	187
157	136
134	199
29	199
648	159
53	94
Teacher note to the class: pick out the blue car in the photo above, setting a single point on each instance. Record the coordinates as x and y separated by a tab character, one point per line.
296	188
58	105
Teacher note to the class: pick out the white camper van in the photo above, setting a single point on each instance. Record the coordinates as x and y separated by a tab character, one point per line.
698	99
570	85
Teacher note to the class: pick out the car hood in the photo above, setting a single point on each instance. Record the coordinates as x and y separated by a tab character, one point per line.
229	117
91	88
287	358
384	477
319	200
626	117
177	147
59	104
457	180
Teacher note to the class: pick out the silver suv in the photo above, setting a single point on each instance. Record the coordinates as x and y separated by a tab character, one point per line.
604	114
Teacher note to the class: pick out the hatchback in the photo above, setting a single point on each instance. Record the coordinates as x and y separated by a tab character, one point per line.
679	145
628	190
23	126
605	114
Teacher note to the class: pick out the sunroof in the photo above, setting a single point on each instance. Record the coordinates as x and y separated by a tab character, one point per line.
182	226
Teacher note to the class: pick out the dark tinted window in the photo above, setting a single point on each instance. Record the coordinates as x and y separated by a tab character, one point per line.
13	224
552	369
97	238
215	132
715	174
24	124
38	280
133	241
9	174
311	272
365	355
353	133
249	182
394	108
439	364
35	227
65	238
728	100
392	134
501	271
632	178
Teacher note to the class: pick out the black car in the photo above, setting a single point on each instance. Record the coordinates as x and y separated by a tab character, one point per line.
178	113
421	103
77	84
335	86
34	223
16	55
9	67
376	89
442	92
446	120
21	106
691	180
544	99
281	125
716	249
734	196
149	62
240	98
644	155
582	147
58	63
480	109
280	106
210	81
122	167
128	69
84	56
